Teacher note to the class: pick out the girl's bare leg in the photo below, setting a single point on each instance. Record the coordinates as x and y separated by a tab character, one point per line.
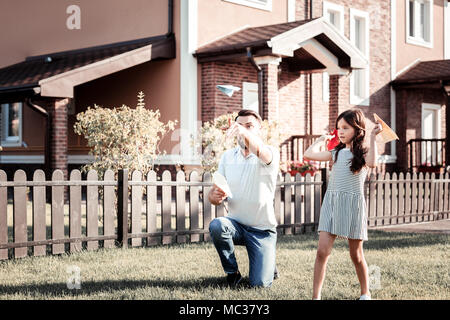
357	255
326	241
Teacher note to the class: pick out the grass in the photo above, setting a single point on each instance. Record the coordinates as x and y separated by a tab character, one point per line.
412	266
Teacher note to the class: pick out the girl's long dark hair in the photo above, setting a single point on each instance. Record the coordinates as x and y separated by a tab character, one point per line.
356	119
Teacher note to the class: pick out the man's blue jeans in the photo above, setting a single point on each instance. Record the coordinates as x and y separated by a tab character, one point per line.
261	245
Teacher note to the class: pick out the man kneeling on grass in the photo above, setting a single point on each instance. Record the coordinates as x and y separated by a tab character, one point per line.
251	172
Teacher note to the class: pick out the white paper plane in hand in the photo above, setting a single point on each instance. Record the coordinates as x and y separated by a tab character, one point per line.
220	181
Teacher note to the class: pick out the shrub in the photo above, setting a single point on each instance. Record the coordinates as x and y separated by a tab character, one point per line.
212	139
122	137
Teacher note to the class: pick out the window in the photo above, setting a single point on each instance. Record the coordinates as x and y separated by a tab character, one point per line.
259	4
419	22
335	15
359	36
250	96
11	129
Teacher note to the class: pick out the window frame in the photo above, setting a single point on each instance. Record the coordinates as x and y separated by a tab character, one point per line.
7	141
416	40
250	88
253	4
361	15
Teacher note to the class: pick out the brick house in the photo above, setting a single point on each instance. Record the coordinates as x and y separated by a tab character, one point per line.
298	62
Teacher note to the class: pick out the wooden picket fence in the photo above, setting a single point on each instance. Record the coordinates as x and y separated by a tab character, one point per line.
145	211
127	212
400	198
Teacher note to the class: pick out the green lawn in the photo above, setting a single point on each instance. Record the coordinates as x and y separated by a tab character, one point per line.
412	266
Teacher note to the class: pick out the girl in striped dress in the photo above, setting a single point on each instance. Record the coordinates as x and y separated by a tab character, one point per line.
343	212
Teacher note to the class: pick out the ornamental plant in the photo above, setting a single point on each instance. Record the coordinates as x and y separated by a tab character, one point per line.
302	167
122	137
213	142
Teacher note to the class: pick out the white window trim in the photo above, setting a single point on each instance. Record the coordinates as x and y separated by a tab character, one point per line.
325	77
15	142
414	40
253	4
247	88
355	100
335	7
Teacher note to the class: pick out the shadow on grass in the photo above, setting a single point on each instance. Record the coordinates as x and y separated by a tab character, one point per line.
378	240
60	290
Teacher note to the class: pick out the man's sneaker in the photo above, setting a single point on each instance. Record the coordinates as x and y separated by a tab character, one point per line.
365	297
276	274
233	279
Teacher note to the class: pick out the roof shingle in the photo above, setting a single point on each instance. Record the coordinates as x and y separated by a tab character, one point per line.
34	69
426	71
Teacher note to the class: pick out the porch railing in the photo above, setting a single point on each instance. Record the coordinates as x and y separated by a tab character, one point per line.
426	155
295	147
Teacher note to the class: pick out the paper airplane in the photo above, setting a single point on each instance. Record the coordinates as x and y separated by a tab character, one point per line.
228	89
220	181
387	134
334	141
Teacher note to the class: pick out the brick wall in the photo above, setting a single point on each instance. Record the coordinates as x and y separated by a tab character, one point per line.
380	53
216	103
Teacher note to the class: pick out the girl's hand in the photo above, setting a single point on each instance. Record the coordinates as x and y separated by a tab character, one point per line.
325	137
377	129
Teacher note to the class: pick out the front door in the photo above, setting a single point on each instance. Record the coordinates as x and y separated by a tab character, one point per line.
431	128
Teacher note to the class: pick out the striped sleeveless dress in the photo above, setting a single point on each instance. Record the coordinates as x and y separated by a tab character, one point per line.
343	212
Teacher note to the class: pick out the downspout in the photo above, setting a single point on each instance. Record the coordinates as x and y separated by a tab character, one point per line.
260	74
170	20
47	144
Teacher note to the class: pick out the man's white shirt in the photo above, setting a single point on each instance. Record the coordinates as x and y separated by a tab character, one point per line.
253	184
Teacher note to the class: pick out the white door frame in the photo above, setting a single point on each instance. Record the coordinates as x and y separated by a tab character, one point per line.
437	108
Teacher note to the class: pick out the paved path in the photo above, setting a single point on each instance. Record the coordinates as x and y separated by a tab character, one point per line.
438	226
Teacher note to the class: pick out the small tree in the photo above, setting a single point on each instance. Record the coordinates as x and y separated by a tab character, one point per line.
122	137
213	142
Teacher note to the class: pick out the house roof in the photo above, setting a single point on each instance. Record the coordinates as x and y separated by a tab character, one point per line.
425	74
35	70
248	37
426	71
303	43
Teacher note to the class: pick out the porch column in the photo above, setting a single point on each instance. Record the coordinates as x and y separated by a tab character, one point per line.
58	136
401	126
334	101
269	66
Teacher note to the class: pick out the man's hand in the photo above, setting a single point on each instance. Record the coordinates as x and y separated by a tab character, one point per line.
216	195
235	130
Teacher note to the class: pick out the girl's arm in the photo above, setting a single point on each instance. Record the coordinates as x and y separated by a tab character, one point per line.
372	155
313	153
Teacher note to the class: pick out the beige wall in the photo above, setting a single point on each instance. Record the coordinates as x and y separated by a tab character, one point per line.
102	22
38	27
218	18
42	30
408	53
